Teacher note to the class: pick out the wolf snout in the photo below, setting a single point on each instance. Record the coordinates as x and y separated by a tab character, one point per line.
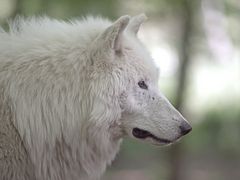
185	128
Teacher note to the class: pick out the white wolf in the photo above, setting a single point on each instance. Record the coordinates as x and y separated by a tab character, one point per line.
69	92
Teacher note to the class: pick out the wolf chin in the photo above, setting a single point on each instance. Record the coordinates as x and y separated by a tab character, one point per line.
70	91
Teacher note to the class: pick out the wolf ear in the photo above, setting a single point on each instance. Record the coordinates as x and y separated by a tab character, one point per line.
113	35
135	23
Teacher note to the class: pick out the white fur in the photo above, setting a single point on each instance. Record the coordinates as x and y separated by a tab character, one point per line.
69	92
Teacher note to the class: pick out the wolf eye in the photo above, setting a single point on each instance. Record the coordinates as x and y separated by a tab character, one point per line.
142	85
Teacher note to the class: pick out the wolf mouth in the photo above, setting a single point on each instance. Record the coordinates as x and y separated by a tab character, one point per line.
143	134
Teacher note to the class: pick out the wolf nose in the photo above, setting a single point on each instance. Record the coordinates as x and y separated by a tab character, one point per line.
185	128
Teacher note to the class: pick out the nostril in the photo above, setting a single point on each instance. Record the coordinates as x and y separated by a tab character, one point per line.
185	128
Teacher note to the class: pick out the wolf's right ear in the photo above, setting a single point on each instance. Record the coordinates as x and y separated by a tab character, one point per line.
135	23
112	36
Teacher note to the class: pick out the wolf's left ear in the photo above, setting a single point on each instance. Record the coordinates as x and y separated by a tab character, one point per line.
135	23
113	35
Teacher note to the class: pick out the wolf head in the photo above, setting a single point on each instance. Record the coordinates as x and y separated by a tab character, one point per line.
125	86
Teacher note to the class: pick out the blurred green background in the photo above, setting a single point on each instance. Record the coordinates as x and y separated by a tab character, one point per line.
196	44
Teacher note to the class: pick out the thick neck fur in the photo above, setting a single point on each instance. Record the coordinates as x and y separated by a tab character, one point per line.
46	69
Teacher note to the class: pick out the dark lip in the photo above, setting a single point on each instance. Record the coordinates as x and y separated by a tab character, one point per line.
143	134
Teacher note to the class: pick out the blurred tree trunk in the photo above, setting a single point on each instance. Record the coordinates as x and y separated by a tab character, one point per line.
176	151
17	9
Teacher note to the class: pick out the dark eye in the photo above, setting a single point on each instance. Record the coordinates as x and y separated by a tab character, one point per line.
142	85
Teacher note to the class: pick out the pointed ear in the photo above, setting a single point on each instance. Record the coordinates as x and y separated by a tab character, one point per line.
113	35
135	23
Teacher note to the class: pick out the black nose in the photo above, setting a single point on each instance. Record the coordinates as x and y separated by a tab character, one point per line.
185	128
